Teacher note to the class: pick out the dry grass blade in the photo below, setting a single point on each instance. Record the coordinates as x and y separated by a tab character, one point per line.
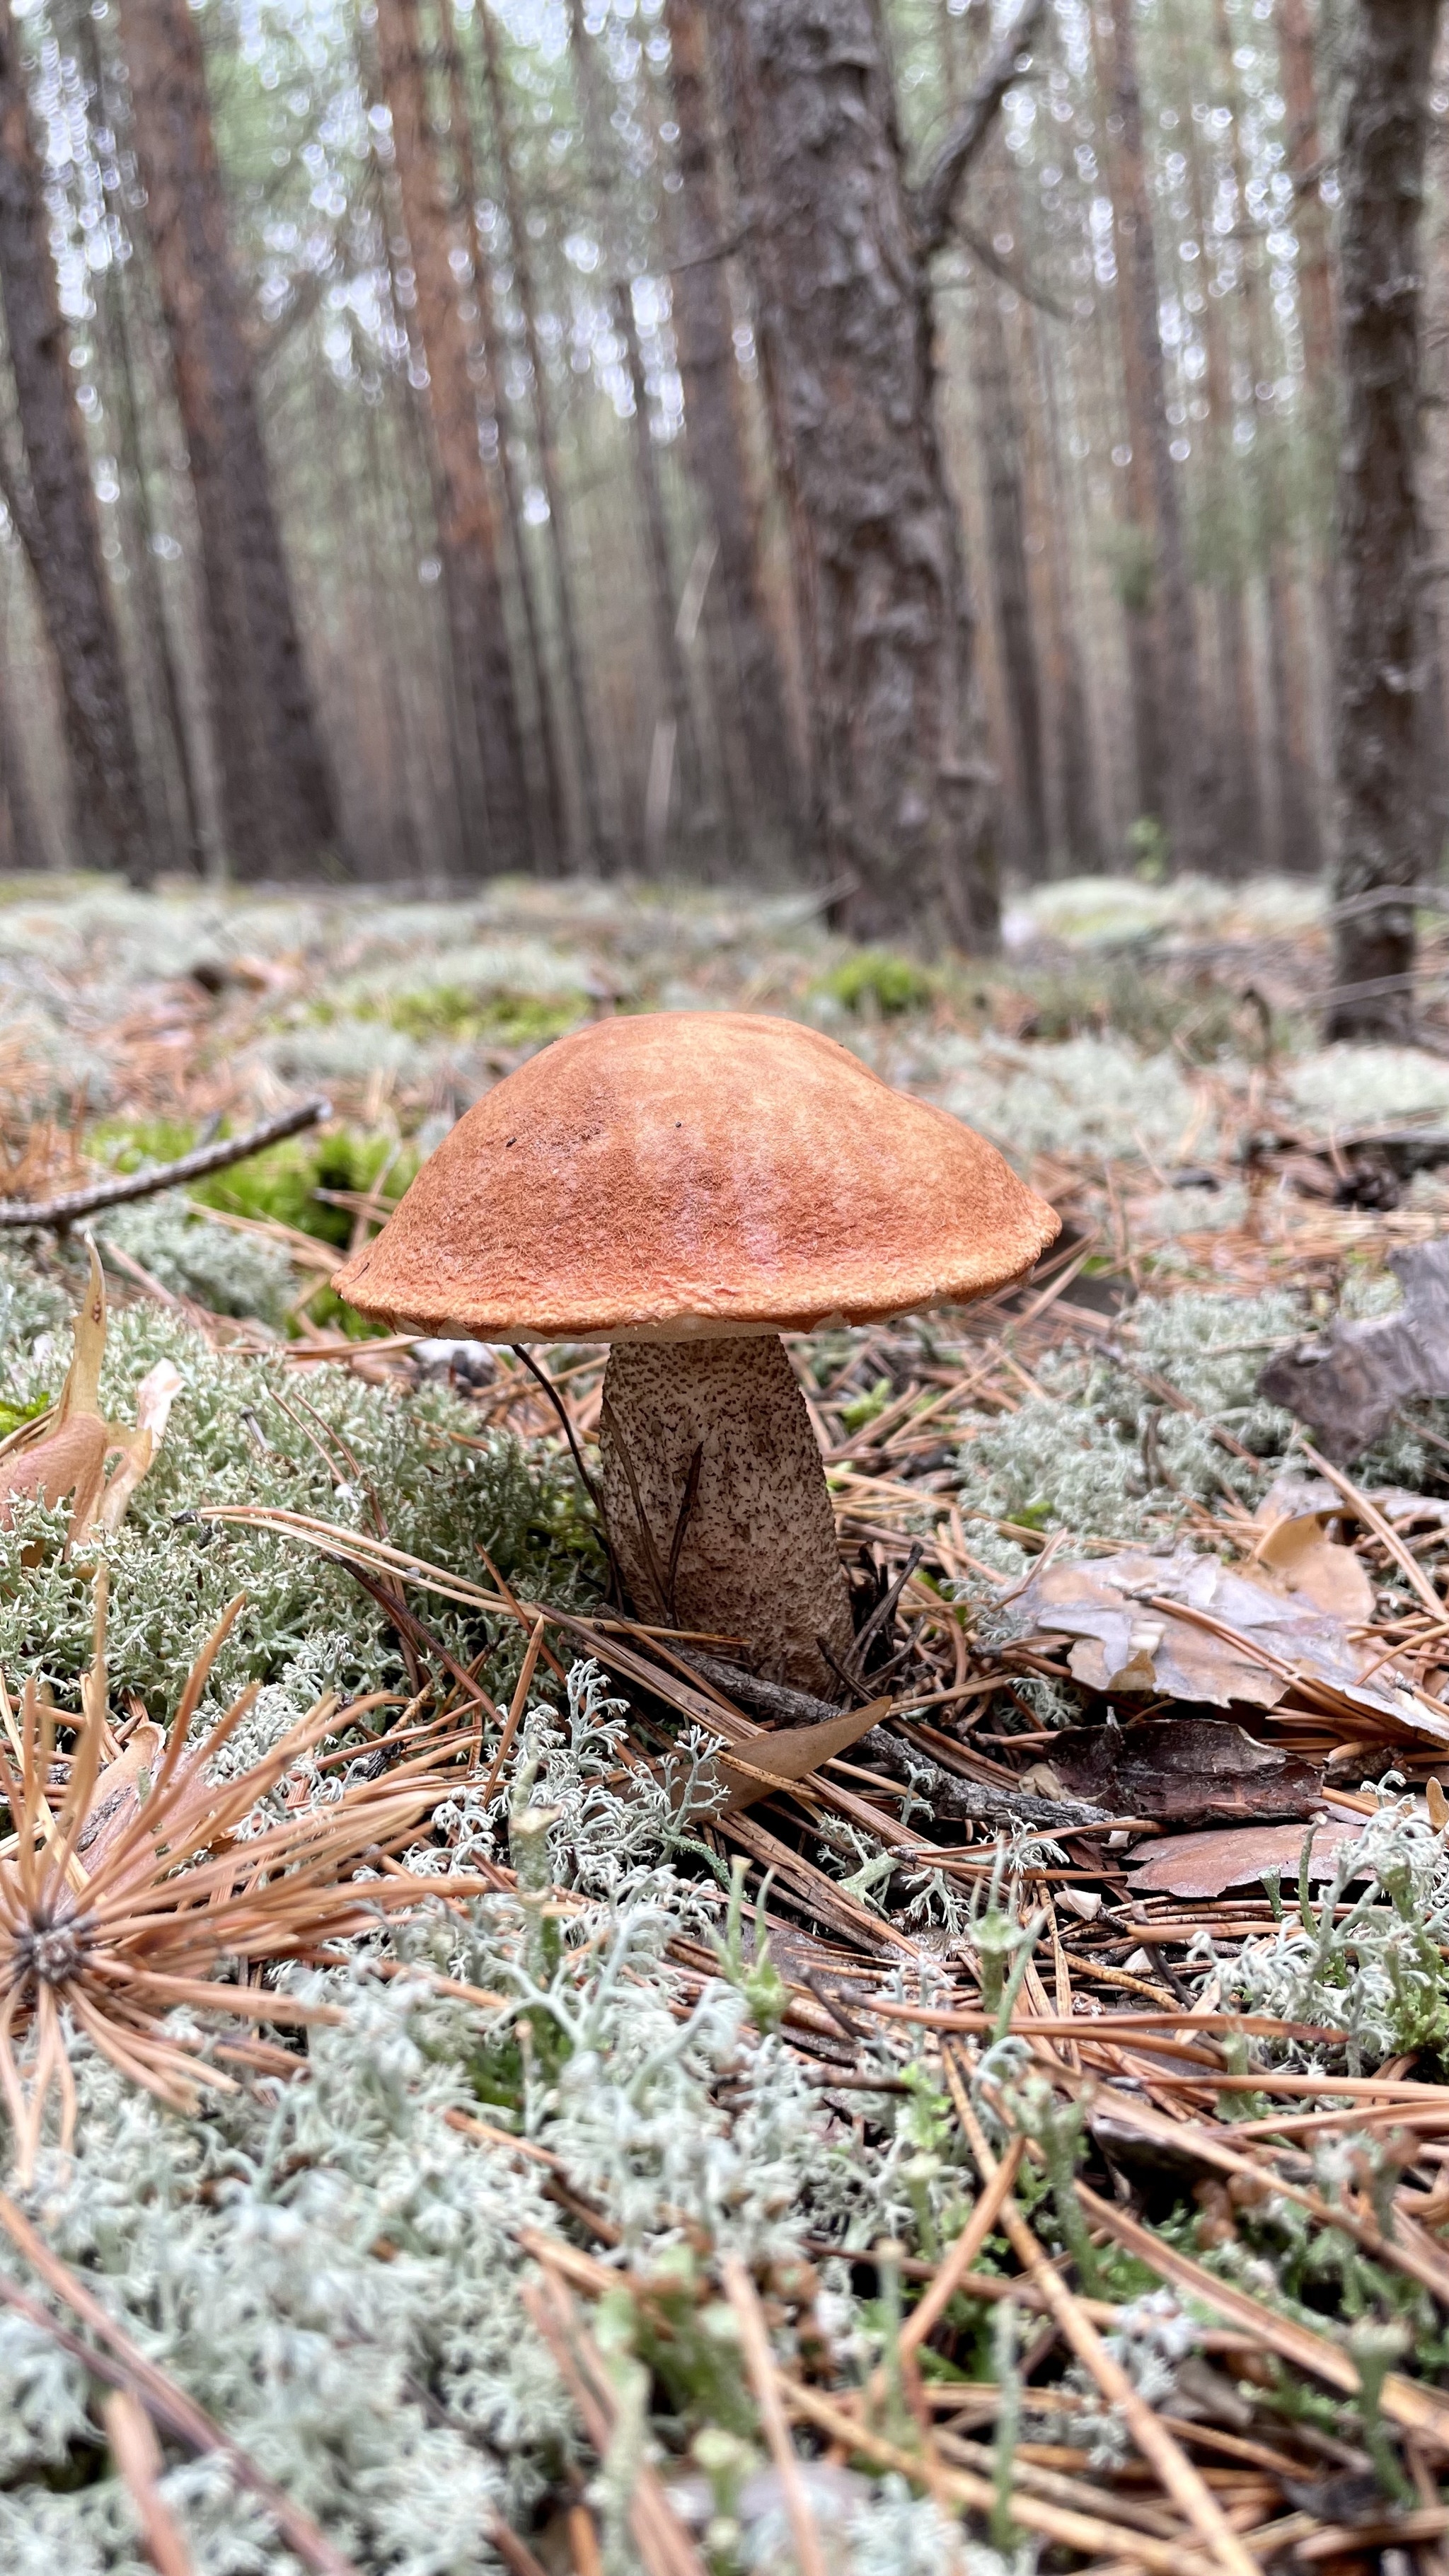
178	1891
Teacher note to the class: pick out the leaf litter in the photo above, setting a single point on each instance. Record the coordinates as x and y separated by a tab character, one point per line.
621	2062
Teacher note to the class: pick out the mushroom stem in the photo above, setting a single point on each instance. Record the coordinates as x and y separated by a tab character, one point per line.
717	1505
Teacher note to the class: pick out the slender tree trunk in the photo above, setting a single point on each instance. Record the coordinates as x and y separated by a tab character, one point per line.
1297	820
1003	458
1379	812
1136	578
26	844
842	279
1240	813
663	604
59	522
595	839
498	821
717	444
550	743
279	813
1298	63
1296	52
1077	839
1187	777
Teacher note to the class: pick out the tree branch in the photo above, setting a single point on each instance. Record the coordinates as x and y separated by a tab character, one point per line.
933	200
166	1176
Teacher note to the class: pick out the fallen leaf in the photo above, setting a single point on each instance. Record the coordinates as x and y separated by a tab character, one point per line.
69	1461
1348	1382
120	1786
1187	1627
1331	1577
1208	1864
1172	1768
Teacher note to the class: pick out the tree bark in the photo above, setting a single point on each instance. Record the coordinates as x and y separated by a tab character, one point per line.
278	806
714	427
1187	775
1379	815
843	284
1296	51
498	822
59	523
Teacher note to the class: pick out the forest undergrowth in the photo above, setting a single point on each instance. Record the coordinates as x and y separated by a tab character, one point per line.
1021	2132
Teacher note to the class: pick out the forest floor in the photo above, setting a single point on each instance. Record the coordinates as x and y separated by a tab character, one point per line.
1008	2112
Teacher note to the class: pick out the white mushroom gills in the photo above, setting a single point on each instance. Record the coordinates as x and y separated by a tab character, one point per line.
757	1559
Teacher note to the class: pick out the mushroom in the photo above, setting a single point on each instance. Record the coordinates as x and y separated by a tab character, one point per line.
686	1187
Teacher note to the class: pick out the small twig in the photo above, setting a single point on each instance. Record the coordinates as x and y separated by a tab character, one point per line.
743	2297
63	1211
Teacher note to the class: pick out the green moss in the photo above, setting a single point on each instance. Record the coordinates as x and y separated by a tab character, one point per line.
467	1016
879	979
285	1181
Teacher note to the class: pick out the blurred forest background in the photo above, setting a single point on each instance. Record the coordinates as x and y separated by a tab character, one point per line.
889	441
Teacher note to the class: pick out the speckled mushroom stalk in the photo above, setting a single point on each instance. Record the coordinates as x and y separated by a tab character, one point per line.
743	1545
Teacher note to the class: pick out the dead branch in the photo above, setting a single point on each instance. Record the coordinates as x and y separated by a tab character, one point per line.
63	1211
932	202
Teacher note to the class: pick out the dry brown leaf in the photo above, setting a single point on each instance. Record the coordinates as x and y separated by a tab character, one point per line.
1329	1576
69	1462
1173	1768
1208	1864
1188	1627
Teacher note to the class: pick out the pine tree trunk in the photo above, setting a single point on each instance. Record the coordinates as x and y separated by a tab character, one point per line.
844	291
1379	808
278	807
59	522
682	747
586	763
497	818
550	740
1297	822
1077	838
1187	776
1002	463
714	424
25	847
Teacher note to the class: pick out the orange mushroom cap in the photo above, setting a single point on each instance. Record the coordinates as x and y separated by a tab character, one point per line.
683	1175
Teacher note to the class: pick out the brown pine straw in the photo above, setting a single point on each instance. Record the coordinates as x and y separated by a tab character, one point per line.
744	2298
137	2455
1183	2482
174	1897
664	2545
1406	2402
